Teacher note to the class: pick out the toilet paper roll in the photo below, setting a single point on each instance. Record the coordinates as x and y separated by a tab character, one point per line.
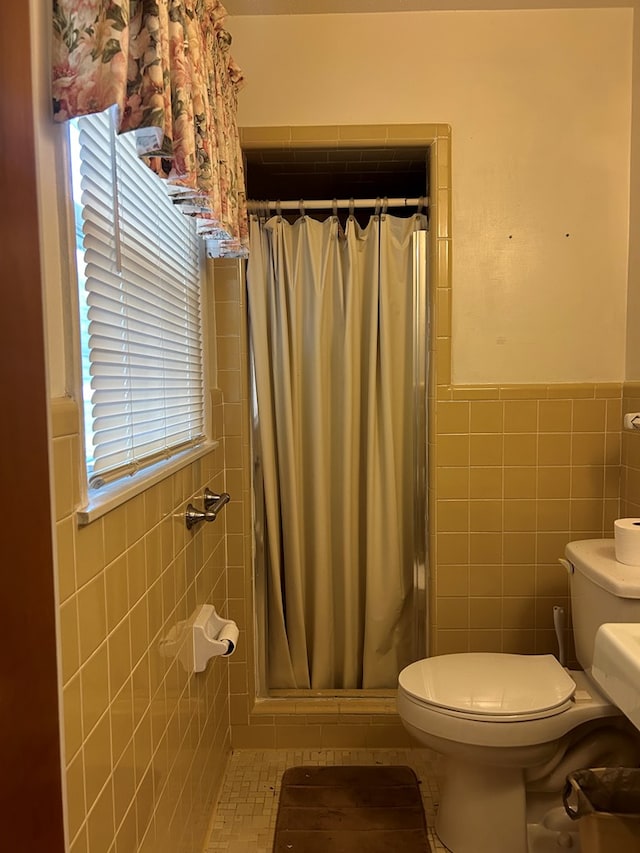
229	634
626	533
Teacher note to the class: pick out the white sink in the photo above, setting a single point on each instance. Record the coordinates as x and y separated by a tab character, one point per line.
616	666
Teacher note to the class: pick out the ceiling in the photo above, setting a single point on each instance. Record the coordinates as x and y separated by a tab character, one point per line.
315	7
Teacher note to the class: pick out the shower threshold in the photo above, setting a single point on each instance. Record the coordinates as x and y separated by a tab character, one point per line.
333	693
328	703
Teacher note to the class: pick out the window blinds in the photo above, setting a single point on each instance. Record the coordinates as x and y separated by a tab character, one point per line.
139	265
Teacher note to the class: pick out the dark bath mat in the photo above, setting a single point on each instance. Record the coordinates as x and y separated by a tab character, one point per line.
350	810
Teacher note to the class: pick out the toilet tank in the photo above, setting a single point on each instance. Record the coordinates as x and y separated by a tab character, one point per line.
602	590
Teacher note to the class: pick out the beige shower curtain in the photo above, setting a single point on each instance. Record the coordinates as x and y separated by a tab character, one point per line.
332	336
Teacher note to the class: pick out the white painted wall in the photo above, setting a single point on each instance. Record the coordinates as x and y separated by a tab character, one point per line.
633	302
539	102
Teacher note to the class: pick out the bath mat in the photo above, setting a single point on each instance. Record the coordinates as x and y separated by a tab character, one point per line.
346	809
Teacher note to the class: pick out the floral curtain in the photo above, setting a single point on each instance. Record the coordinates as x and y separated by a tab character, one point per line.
166	66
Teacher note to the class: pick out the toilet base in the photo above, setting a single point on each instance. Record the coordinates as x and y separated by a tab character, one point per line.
482	809
469	822
556	832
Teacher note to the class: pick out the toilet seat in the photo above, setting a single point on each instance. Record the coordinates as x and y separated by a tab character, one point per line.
490	687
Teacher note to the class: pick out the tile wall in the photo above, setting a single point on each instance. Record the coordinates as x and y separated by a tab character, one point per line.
517	472
145	744
630	480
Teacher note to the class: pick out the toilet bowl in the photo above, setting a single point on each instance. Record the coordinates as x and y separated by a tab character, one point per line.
495	704
511	727
495	718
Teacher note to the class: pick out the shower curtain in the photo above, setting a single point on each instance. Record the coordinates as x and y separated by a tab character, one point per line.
331	319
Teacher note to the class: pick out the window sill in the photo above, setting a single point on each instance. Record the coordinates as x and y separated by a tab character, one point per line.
113	495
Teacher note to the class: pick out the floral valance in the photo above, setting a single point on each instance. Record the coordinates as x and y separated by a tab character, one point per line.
167	67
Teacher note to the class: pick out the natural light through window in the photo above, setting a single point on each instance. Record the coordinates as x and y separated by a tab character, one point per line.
139	283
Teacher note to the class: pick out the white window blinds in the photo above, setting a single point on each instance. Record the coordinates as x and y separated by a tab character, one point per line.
139	266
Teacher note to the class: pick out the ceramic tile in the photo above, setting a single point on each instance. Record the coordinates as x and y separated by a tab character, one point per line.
452	516
487	483
485	612
487	416
554	448
555	415
65	531
519	482
486	450
453	450
589	415
94	678
89	551
245	813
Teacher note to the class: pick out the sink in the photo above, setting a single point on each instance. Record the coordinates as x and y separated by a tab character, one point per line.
616	666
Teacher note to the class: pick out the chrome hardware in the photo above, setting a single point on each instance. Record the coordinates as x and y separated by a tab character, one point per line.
194	516
215	502
212	505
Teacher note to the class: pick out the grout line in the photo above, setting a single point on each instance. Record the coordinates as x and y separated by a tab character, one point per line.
245	814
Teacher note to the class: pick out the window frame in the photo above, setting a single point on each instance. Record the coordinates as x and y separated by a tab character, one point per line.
95	503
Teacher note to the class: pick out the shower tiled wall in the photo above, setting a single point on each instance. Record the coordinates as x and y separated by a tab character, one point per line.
145	743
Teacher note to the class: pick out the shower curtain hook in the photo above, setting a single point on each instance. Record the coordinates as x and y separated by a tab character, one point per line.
352	207
335	208
279	210
377	210
385	204
302	208
420	204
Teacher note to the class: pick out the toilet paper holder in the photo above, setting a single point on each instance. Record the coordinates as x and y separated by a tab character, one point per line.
205	634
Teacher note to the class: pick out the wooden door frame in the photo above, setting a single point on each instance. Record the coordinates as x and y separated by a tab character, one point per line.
30	782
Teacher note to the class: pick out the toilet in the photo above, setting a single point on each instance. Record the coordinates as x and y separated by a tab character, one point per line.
511	727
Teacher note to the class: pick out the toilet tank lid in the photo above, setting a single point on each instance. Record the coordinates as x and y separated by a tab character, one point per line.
488	684
596	560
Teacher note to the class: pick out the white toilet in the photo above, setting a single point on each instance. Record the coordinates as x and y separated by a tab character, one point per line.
513	726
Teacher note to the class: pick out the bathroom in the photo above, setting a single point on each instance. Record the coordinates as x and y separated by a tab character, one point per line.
535	359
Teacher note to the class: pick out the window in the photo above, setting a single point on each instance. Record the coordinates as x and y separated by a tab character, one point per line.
139	276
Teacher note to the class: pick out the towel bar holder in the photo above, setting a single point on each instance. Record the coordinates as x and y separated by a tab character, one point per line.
213	503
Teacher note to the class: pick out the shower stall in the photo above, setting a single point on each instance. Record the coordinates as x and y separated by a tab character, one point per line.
339	328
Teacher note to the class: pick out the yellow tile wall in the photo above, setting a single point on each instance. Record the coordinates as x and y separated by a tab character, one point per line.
516	473
145	744
630	481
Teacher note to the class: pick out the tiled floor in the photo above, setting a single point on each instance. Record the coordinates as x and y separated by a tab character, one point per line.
245	816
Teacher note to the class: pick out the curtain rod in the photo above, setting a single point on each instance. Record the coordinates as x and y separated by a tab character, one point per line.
329	203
